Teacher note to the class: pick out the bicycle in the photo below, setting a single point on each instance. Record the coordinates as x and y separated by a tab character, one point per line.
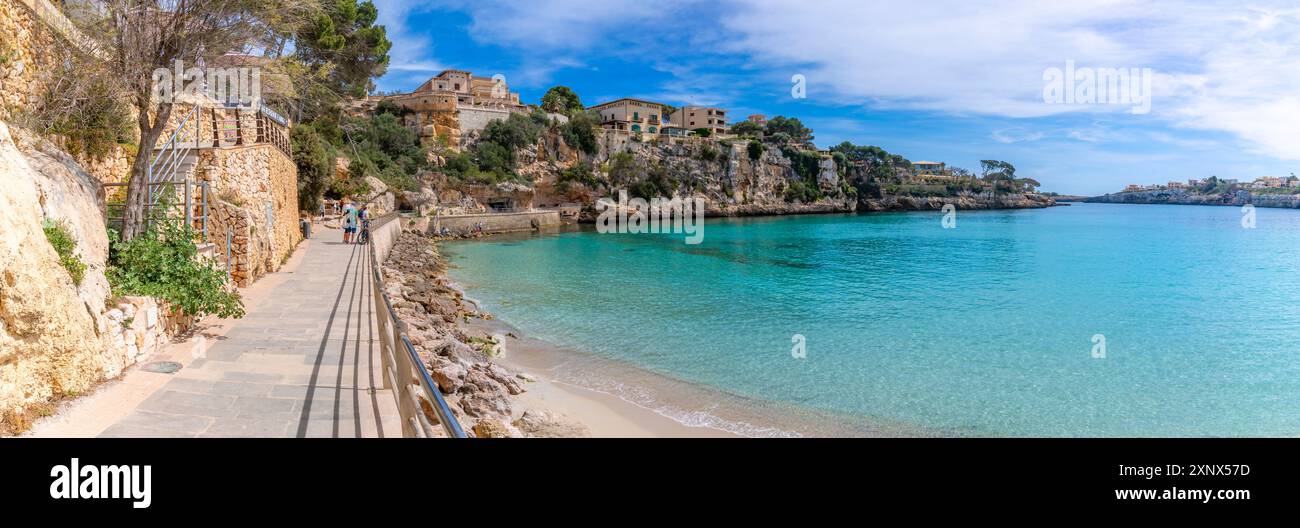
364	236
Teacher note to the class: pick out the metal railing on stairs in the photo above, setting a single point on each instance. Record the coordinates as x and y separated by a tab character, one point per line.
174	160
417	395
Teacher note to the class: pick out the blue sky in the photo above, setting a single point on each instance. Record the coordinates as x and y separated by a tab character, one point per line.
933	80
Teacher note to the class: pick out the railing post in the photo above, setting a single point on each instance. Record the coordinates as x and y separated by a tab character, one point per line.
204	188
189	206
229	239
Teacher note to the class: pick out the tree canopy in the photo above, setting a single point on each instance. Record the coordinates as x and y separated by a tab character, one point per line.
561	100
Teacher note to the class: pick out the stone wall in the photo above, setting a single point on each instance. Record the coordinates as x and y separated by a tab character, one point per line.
255	198
475	119
29	50
495	223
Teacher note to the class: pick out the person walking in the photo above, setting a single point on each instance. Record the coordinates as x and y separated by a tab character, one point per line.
349	221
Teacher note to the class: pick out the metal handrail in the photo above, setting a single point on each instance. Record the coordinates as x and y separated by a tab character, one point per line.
173	153
400	366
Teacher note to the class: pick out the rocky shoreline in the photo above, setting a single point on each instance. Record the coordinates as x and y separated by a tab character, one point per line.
1183	197
965	201
480	392
887	203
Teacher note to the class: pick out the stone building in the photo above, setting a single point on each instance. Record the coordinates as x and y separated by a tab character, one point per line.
455	103
696	117
634	115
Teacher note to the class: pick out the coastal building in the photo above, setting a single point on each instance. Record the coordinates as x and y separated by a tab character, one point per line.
1177	185
1195	182
1266	182
1132	187
696	117
757	119
931	168
454	103
634	115
674	131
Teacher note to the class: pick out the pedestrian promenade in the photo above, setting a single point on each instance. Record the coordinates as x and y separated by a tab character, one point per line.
303	362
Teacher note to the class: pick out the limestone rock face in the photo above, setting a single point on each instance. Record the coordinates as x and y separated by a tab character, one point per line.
58	338
381	201
49	340
963	201
72	197
720	172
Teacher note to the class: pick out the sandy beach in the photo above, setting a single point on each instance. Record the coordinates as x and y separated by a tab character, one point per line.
616	399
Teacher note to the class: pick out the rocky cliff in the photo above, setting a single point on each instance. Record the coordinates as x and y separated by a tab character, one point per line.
58	337
730	180
1183	197
719	171
963	201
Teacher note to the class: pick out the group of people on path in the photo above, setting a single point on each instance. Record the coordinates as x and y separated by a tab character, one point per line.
351	219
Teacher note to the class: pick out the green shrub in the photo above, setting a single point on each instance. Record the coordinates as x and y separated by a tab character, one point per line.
383	147
580	173
755	150
806	164
703	132
622	168
805	192
709	153
315	165
163	262
747	129
64	244
580	133
656	184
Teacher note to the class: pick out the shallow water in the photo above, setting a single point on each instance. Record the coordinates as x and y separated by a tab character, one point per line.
986	329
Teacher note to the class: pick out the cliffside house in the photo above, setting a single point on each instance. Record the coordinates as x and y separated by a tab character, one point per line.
757	119
1133	187
696	117
456	98
1266	182
634	115
928	168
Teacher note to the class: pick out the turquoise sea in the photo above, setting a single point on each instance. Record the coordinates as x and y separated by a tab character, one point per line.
985	329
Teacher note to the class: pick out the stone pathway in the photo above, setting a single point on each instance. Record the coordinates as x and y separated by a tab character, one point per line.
304	362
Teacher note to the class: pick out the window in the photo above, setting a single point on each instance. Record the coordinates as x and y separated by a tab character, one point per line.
636	116
636	128
654	130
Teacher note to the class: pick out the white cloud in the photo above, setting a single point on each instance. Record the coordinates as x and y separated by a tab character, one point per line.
412	51
1220	66
1016	135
